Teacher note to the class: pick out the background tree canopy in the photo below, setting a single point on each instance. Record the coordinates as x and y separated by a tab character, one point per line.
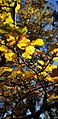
28	59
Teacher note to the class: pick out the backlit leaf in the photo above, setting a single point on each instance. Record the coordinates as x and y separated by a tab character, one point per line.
0	1
55	59
3	48
55	50
12	4
24	30
7	69
39	67
23	43
26	55
9	56
41	62
51	67
17	7
17	71
30	49
8	20
11	43
37	42
8	87
53	97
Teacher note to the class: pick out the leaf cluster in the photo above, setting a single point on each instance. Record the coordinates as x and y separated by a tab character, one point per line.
28	75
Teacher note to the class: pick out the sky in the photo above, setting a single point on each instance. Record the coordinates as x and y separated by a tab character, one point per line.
54	2
56	6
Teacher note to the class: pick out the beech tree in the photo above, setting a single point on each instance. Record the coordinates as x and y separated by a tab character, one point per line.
28	51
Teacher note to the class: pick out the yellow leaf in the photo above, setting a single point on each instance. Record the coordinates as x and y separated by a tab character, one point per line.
30	49
49	78
11	25
39	14
23	43
11	43
16	71
0	1
3	15
3	42
8	20
47	12
44	73
6	93
12	4
24	30
7	69
37	42
52	79
2	78
39	67
9	56
57	55
55	50
55	59
55	79
41	62
50	67
17	7
10	38
53	97
24	39
28	75
26	55
3	48
2	31
17	0
8	87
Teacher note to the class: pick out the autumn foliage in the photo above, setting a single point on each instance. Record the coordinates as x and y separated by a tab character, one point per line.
28	52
